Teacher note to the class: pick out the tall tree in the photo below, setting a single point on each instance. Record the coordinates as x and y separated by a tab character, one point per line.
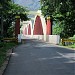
8	11
4	7
62	10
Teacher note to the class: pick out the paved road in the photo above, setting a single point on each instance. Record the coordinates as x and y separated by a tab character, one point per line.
39	58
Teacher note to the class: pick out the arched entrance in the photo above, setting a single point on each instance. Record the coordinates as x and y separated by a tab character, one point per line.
29	30
38	30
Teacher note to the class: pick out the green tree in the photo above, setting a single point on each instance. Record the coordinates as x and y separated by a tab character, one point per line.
57	27
8	13
62	10
16	10
4	7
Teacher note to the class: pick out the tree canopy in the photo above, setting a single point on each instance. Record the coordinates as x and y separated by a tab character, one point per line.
62	10
8	11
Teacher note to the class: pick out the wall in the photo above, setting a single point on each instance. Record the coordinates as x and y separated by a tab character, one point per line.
53	39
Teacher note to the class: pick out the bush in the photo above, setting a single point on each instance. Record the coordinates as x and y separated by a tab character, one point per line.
2	44
72	38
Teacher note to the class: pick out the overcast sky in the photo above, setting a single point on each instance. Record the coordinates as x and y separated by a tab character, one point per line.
31	4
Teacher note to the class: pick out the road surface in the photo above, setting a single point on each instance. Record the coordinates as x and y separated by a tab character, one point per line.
40	58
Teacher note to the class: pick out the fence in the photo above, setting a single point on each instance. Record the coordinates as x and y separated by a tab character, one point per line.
67	41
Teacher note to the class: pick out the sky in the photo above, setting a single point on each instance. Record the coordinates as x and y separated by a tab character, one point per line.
31	4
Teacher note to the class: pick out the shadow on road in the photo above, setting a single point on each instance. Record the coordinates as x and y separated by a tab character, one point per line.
40	58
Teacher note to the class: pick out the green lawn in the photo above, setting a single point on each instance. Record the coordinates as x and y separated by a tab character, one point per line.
71	46
3	49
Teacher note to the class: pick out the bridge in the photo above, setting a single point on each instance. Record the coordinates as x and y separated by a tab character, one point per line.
40	29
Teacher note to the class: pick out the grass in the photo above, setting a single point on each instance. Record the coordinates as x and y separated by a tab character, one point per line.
3	49
71	46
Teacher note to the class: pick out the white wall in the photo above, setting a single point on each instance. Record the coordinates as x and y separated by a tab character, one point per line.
54	39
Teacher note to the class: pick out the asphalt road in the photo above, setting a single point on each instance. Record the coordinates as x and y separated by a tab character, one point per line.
39	58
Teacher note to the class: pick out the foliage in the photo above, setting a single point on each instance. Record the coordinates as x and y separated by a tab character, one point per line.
71	46
11	31
4	6
16	9
57	28
62	10
3	49
72	38
8	13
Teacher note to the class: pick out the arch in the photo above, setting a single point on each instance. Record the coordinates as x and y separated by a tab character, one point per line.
25	31
29	30
38	30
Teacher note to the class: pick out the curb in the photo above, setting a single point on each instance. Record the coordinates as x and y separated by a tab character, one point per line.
62	46
65	47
